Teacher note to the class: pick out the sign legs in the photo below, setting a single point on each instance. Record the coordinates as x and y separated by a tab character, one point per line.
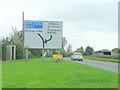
58	53
43	54
26	54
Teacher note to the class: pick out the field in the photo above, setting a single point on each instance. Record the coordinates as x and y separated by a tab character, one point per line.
52	74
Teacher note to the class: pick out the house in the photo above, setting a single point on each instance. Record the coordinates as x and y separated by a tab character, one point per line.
105	52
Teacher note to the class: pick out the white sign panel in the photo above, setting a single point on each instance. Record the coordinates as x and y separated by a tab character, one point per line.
39	34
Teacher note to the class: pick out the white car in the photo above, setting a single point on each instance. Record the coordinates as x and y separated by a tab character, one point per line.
77	56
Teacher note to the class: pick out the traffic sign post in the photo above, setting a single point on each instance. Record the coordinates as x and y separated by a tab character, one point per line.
58	53
57	56
26	54
43	54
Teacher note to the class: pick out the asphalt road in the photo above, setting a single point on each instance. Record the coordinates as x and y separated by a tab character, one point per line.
111	66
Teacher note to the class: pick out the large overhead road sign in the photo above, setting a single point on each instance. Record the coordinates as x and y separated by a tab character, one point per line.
43	34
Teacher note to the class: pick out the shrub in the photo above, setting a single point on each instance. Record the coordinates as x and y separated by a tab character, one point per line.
106	56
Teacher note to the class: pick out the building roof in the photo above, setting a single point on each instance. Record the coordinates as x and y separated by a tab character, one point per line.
103	50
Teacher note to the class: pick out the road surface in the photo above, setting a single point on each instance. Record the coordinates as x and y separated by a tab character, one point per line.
111	66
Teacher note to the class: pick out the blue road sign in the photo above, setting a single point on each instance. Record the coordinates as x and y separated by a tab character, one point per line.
33	25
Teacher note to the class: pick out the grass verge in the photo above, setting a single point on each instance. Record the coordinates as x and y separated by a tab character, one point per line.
18	60
102	59
52	74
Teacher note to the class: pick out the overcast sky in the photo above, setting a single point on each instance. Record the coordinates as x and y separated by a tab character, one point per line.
85	22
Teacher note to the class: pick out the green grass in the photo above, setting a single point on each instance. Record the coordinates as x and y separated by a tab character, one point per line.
103	59
17	60
13	60
52	74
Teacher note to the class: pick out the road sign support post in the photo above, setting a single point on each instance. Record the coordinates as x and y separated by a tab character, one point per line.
26	54
23	28
43	54
58	53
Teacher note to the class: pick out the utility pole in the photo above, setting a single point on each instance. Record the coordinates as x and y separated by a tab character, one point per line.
23	28
23	35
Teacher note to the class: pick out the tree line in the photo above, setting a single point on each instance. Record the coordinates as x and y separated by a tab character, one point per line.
15	38
88	50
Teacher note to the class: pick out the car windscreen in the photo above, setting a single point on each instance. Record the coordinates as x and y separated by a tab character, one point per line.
78	55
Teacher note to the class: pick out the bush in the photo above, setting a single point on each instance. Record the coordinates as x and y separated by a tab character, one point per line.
106	56
20	52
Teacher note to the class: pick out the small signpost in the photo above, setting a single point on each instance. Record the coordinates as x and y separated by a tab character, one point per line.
57	56
42	35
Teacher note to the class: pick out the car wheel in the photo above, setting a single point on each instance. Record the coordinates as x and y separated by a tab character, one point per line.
81	60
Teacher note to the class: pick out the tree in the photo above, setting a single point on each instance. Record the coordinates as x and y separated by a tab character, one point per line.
64	42
16	40
69	48
5	42
36	52
69	51
80	50
117	50
89	50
